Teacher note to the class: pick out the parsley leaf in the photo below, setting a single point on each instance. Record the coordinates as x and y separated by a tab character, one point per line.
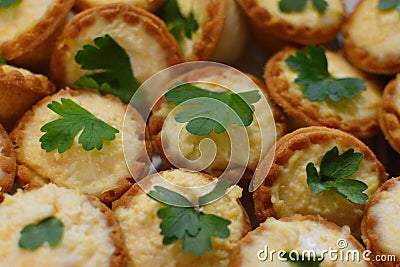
208	111
116	76
333	169
188	224
2	60
178	25
316	80
48	230
61	133
288	6
389	4
309	261
8	3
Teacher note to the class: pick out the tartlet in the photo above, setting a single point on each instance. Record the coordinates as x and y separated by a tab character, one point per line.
221	33
390	112
305	27
285	190
149	5
143	36
295	235
358	115
142	230
370	38
27	42
174	143
19	90
7	163
380	222
91	235
103	173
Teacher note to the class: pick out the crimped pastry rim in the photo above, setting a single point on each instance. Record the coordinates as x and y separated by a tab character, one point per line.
81	5
7	163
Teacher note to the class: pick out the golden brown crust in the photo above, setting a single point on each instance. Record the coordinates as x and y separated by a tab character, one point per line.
369	235
151	5
131	15
301	139
18	92
278	89
363	58
120	256
7	163
29	179
237	261
280	28
30	41
389	118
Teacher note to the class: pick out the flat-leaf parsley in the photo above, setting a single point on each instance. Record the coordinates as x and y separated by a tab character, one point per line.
334	169
288	6
316	80
389	5
8	3
61	133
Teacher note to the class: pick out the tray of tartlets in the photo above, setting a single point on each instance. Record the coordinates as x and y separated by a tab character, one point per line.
199	133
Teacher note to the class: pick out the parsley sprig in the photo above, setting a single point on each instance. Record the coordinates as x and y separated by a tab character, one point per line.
207	111
334	169
309	261
115	74
389	5
288	6
179	26
61	133
181	221
316	80
48	230
8	3
2	61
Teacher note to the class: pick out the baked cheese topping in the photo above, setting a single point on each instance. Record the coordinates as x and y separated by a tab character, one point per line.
366	27
145	52
297	235
139	3
8	68
85	240
292	195
142	231
396	95
387	214
91	171
309	17
260	134
365	105
14	22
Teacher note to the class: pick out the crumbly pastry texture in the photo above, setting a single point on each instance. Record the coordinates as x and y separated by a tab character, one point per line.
285	191
103	173
149	5
7	163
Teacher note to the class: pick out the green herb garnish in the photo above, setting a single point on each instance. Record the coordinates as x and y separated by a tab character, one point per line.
389	5
288	6
61	133
48	230
8	3
208	111
309	261
181	221
333	169
314	76
115	74
2	61
178	25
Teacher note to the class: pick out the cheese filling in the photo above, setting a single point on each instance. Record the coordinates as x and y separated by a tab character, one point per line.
85	241
366	27
14	22
92	171
292	195
146	54
387	214
146	248
365	105
309	17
